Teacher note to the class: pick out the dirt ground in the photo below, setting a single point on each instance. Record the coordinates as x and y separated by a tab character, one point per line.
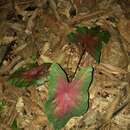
39	27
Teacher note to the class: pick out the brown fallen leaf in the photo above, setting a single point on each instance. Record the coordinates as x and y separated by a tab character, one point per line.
124	28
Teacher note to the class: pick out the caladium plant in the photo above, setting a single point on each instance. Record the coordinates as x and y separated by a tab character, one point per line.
28	75
91	39
67	99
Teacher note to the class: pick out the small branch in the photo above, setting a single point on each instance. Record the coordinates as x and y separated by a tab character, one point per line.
119	109
31	23
7	68
53	6
88	16
80	18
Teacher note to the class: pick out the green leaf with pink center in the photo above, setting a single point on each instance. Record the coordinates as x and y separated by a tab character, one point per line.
67	99
91	39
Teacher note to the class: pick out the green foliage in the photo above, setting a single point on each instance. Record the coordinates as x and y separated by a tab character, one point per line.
14	125
102	36
17	79
19	82
81	30
34	58
72	37
85	76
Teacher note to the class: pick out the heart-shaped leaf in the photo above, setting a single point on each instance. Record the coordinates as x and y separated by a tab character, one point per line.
67	99
29	75
91	39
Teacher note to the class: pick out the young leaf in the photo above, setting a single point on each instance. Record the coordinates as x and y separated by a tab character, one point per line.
67	99
29	75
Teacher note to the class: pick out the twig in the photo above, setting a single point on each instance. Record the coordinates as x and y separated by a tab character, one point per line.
112	108
20	48
6	69
114	114
80	18
119	109
31	23
54	8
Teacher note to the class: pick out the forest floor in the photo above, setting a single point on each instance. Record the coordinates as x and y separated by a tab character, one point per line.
37	30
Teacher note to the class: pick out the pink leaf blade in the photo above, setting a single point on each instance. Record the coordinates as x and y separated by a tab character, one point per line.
66	96
69	101
35	72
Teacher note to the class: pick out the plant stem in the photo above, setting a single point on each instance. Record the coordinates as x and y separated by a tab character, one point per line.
81	56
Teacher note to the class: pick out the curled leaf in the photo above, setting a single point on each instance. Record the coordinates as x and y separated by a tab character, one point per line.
29	75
